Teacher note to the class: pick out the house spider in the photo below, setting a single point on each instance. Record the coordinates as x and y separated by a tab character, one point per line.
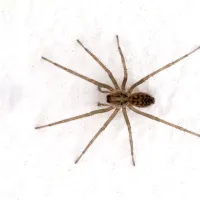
119	98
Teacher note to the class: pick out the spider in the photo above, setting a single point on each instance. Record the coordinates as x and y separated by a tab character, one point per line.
119	98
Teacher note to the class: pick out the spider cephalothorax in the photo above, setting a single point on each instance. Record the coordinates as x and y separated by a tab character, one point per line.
119	98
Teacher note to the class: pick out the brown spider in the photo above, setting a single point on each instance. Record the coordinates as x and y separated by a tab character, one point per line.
118	97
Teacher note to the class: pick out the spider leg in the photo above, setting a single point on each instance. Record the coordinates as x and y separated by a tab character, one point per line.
102	91
94	112
101	64
161	69
80	75
161	120
130	133
124	64
97	134
102	104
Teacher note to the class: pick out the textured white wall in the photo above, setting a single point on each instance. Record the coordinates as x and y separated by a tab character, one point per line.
40	164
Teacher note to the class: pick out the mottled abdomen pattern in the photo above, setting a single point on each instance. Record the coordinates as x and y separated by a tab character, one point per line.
141	99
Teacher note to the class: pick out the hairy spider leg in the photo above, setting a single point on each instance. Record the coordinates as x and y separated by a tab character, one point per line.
101	64
94	112
123	63
130	133
80	75
98	133
161	69
161	120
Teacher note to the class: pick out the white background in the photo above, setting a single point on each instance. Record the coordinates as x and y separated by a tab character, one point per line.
39	164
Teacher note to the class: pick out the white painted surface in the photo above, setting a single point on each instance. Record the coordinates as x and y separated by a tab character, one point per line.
40	164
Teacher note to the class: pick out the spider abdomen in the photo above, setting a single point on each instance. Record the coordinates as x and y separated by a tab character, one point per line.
141	99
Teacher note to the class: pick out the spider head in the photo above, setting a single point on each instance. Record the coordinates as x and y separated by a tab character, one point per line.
141	99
